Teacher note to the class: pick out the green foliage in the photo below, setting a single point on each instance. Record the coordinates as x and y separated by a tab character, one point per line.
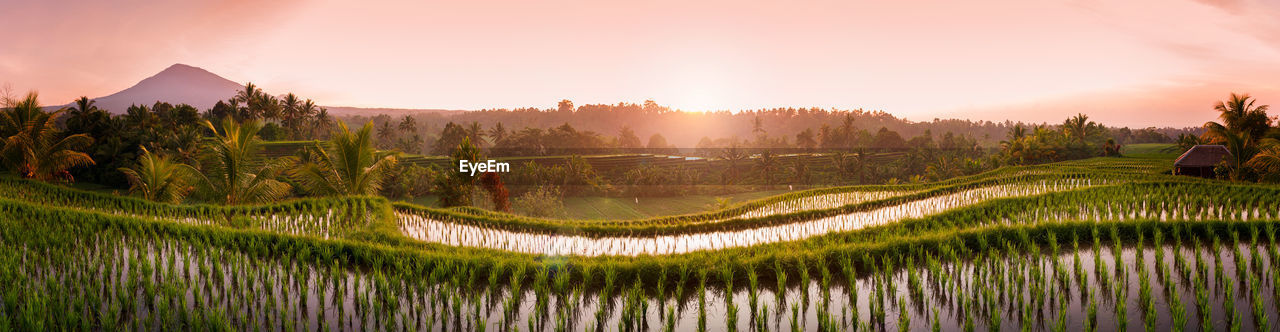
158	178
454	186
34	148
233	170
348	165
540	202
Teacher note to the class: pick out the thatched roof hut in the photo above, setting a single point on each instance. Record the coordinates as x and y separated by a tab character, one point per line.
1200	160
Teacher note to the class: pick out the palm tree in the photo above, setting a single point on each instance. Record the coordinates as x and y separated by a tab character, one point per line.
734	156
290	111
408	125
476	133
249	94
19	113
233	173
1240	115
158	178
349	165
1267	161
1240	144
1078	127
322	122
83	105
767	164
35	148
497	133
1187	141
386	135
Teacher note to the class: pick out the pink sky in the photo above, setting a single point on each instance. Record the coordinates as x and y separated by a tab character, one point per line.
1136	63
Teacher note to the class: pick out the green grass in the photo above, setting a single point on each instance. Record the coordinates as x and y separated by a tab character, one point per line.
611	208
1151	150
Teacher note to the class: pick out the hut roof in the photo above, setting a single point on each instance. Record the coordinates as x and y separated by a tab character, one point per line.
1202	156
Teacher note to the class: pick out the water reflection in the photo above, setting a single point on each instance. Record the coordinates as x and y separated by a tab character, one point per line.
456	234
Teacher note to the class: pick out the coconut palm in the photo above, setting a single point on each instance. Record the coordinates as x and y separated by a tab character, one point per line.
497	133
733	157
1267	161
233	172
322	122
158	178
83	105
1187	141
35	148
1239	143
1239	114
476	133
19	113
767	164
290	113
1078	128
348	165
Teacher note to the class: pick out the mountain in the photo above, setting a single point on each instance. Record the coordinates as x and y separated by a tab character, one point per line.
184	84
178	84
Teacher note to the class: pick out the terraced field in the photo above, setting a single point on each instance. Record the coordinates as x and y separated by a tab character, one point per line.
598	162
1099	244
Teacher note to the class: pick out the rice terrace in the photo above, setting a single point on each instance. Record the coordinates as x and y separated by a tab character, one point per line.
640	166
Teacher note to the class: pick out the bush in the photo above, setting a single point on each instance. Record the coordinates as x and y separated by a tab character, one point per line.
544	201
409	181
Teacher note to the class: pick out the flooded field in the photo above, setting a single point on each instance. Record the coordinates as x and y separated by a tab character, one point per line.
459	234
1170	282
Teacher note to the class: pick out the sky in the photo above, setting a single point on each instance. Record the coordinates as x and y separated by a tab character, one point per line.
1133	63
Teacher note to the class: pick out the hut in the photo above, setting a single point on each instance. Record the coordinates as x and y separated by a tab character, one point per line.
1200	160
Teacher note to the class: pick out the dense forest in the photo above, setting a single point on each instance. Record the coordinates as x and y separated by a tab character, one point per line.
179	153
650	125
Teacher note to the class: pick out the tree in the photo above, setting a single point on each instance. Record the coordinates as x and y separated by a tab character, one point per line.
1240	145
805	140
348	165
1187	140
36	149
450	138
627	138
233	172
1079	128
657	143
497	133
158	178
851	163
476	133
1239	115
767	164
455	187
564	106
888	139
1267	160
408	125
733	157
386	135
83	105
492	183
322	122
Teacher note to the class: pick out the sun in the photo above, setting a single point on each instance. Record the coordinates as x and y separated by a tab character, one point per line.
700	92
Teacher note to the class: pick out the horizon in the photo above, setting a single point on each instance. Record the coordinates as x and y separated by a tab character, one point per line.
1124	64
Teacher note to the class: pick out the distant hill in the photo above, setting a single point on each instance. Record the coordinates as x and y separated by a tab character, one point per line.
184	84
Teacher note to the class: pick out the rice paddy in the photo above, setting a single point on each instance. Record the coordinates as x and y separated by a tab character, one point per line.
1102	244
